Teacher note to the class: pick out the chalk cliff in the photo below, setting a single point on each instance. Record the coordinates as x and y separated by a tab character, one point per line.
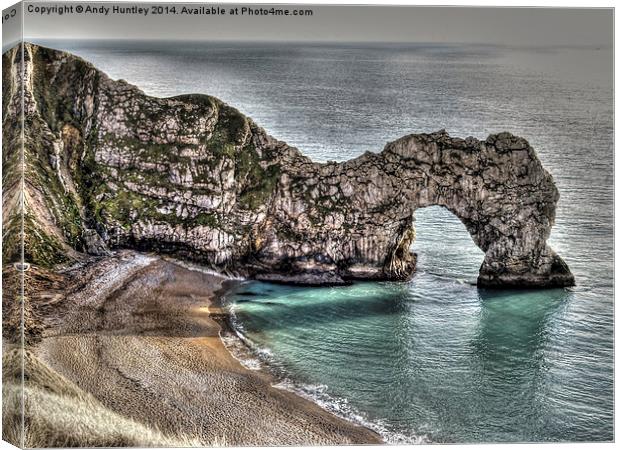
106	166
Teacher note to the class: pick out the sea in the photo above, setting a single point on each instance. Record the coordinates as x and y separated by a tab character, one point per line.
435	359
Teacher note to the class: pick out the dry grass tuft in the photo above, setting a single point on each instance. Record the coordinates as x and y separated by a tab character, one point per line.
43	289
59	414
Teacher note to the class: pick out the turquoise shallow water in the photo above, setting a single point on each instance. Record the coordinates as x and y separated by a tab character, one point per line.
435	358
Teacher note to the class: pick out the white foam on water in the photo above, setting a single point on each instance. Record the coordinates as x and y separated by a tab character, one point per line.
232	343
340	407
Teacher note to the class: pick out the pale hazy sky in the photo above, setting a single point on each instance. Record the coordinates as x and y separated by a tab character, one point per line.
511	26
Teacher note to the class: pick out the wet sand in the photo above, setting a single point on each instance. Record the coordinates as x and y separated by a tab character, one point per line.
140	336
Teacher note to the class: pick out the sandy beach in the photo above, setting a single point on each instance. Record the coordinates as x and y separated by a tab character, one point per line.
139	335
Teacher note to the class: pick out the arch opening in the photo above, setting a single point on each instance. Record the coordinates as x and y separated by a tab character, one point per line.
443	245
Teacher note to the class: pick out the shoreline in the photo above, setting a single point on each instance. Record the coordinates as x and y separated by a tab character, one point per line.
259	359
228	330
147	343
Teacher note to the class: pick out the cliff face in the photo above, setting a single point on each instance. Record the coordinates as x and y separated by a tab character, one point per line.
107	166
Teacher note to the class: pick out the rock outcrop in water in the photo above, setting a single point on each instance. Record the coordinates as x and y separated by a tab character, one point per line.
107	166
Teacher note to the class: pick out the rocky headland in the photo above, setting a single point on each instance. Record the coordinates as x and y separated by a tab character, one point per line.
109	167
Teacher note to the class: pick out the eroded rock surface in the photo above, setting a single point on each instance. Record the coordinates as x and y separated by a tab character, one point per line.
109	167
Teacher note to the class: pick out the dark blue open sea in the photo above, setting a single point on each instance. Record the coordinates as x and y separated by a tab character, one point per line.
435	359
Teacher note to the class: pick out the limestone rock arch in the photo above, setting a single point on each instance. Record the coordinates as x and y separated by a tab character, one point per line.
497	188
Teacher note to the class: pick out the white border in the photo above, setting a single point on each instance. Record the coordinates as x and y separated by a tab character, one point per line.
480	3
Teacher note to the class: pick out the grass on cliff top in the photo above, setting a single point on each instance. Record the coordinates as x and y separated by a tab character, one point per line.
39	247
59	414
